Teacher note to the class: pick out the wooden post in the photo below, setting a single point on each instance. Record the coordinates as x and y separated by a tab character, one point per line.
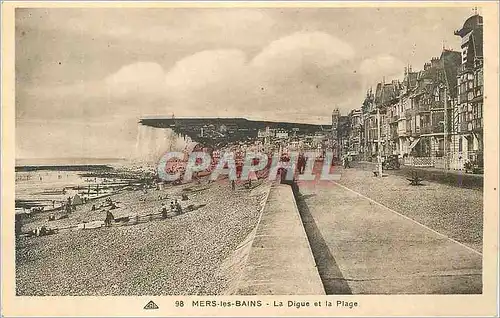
379	157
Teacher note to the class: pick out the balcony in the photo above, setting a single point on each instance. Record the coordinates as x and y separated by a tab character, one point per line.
438	107
403	132
416	132
394	134
466	67
464	127
477	124
423	108
425	129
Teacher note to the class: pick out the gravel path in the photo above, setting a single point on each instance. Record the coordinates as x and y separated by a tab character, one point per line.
453	211
176	256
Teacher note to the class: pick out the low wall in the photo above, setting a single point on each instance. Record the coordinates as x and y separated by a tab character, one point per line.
280	260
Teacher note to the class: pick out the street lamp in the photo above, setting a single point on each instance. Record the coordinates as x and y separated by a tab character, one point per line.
379	155
445	126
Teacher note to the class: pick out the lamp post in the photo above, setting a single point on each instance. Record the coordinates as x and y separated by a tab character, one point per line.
379	156
445	127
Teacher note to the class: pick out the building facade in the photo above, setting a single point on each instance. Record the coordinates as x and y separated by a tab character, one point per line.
434	116
355	138
468	114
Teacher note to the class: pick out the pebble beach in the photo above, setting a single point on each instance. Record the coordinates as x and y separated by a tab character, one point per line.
180	255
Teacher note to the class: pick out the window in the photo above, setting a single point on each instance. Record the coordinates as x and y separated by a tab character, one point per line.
460	145
480	78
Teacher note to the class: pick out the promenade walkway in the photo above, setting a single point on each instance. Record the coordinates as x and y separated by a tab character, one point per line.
364	247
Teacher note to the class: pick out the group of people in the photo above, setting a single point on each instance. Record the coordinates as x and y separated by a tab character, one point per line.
175	207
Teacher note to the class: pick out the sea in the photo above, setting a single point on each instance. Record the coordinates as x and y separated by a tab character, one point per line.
49	183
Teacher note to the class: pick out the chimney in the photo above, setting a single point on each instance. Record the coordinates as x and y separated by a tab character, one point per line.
434	61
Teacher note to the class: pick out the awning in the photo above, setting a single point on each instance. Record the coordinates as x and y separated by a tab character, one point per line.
414	143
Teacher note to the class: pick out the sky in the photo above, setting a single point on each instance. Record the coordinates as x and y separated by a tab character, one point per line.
84	77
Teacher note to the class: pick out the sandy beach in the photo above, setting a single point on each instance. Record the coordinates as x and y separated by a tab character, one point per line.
180	255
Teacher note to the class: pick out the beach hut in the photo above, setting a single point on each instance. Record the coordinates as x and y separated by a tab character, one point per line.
77	200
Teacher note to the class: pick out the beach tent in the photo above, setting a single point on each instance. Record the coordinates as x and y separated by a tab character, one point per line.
77	200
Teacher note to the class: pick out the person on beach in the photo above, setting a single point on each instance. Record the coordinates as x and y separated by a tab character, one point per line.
233	185
109	218
252	176
163	211
178	207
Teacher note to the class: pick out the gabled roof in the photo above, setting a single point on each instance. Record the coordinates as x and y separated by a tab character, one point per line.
473	22
451	63
386	92
442	70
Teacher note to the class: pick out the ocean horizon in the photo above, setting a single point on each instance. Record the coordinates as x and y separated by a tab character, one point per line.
20	162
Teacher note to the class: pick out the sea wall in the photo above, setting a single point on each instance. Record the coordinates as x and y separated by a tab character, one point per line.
279	260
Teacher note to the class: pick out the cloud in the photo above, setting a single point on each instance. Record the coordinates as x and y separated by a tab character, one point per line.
291	77
205	68
299	77
376	68
304	47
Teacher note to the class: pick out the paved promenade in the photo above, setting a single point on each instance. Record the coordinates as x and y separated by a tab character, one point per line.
364	247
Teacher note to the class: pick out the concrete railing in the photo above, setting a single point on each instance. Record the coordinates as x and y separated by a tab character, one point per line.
280	260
